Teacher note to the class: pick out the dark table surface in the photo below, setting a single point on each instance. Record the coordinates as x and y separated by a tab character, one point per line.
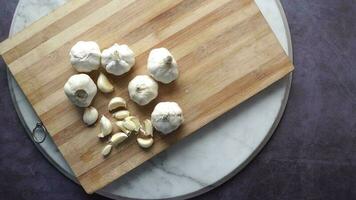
312	154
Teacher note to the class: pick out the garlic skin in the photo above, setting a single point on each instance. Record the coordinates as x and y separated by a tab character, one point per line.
85	56
162	66
143	89
80	90
118	59
167	117
90	115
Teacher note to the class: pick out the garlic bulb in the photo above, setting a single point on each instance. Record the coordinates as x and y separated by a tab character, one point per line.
80	90
167	117
143	89
162	66
90	115
85	56
118	59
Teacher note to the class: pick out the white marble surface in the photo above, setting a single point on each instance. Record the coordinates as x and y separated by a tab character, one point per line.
240	133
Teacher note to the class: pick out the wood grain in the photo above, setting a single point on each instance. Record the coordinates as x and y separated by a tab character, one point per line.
225	49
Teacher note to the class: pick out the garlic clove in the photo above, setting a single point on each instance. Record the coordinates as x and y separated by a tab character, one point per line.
135	120
116	102
122	114
105	127
148	128
106	150
145	142
90	115
130	125
120	124
104	84
117	138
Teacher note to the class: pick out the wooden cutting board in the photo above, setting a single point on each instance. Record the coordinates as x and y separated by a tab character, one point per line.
225	49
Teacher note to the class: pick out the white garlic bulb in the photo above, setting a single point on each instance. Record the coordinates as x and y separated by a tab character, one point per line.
162	66
90	115
143	89
118	59
85	56
167	117
80	90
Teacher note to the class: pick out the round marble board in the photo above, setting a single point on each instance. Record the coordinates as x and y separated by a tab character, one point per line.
194	165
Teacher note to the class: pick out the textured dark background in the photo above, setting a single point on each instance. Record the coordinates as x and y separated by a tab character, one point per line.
312	155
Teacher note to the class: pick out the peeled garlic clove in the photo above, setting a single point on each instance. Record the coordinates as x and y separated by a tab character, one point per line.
117	138
105	127
122	114
145	142
116	102
90	115
134	120
104	84
106	150
130	125
148	128
120	124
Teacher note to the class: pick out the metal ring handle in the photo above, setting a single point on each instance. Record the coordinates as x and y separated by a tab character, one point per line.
37	135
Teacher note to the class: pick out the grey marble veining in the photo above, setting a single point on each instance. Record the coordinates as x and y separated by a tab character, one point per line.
28	11
205	166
